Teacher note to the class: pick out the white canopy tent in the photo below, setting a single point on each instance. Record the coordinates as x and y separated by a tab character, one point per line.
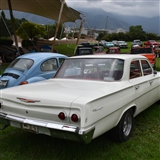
52	9
52	38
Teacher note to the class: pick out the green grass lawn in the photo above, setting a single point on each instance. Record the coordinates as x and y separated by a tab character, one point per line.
144	144
69	49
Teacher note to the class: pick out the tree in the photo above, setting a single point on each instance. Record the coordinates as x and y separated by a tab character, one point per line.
29	30
101	36
152	36
136	32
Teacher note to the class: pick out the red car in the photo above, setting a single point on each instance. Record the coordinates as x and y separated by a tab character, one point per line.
113	50
151	43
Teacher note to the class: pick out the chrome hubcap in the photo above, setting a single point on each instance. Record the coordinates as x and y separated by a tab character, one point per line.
127	126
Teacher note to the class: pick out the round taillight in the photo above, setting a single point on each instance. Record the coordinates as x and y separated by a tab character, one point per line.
74	118
61	116
24	82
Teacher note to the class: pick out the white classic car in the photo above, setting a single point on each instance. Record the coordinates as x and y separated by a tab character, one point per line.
88	96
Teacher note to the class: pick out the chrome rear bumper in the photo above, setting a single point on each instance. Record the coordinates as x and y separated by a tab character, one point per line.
52	129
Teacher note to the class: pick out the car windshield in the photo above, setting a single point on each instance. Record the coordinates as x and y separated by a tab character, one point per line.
21	63
108	69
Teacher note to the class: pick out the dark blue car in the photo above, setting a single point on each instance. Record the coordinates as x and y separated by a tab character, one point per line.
31	67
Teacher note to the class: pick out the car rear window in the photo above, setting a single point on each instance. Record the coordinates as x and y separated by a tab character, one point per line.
108	69
21	63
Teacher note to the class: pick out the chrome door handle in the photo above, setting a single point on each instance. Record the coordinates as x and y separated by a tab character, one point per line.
137	87
151	82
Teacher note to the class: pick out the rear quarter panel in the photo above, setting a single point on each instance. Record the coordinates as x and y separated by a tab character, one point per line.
106	111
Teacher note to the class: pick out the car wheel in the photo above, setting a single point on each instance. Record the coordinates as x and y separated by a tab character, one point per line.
123	130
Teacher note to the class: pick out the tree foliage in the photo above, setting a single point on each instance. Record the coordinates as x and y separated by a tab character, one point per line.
29	30
6	29
135	32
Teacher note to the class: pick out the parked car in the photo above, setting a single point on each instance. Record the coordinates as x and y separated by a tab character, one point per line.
87	44
145	51
108	44
114	50
122	44
31	67
89	51
88	96
114	42
102	42
137	42
151	43
83	51
98	50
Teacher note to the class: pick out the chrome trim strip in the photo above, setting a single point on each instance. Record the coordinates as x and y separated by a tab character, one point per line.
2	115
61	127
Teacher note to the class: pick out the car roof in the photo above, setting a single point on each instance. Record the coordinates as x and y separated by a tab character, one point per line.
119	56
40	55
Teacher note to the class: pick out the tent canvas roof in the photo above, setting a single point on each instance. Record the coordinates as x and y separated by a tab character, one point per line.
46	8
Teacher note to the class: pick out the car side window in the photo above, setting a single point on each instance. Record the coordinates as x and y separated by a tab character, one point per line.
146	68
135	70
49	65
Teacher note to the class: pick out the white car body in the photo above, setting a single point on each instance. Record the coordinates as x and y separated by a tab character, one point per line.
98	105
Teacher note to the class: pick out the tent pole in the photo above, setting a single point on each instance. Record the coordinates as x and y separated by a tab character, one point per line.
79	35
13	24
58	23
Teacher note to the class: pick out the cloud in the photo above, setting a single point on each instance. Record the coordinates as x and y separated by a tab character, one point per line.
145	8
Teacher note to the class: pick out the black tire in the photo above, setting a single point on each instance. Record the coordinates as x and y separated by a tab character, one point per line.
122	132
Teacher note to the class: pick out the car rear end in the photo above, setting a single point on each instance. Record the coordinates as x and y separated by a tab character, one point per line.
50	114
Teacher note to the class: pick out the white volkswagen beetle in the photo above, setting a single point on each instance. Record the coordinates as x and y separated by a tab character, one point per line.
88	96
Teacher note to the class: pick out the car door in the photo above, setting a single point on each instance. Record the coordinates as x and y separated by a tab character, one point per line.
153	81
141	86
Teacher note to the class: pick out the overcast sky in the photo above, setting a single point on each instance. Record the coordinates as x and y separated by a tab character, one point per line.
146	8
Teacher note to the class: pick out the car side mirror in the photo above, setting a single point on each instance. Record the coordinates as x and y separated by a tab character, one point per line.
155	72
